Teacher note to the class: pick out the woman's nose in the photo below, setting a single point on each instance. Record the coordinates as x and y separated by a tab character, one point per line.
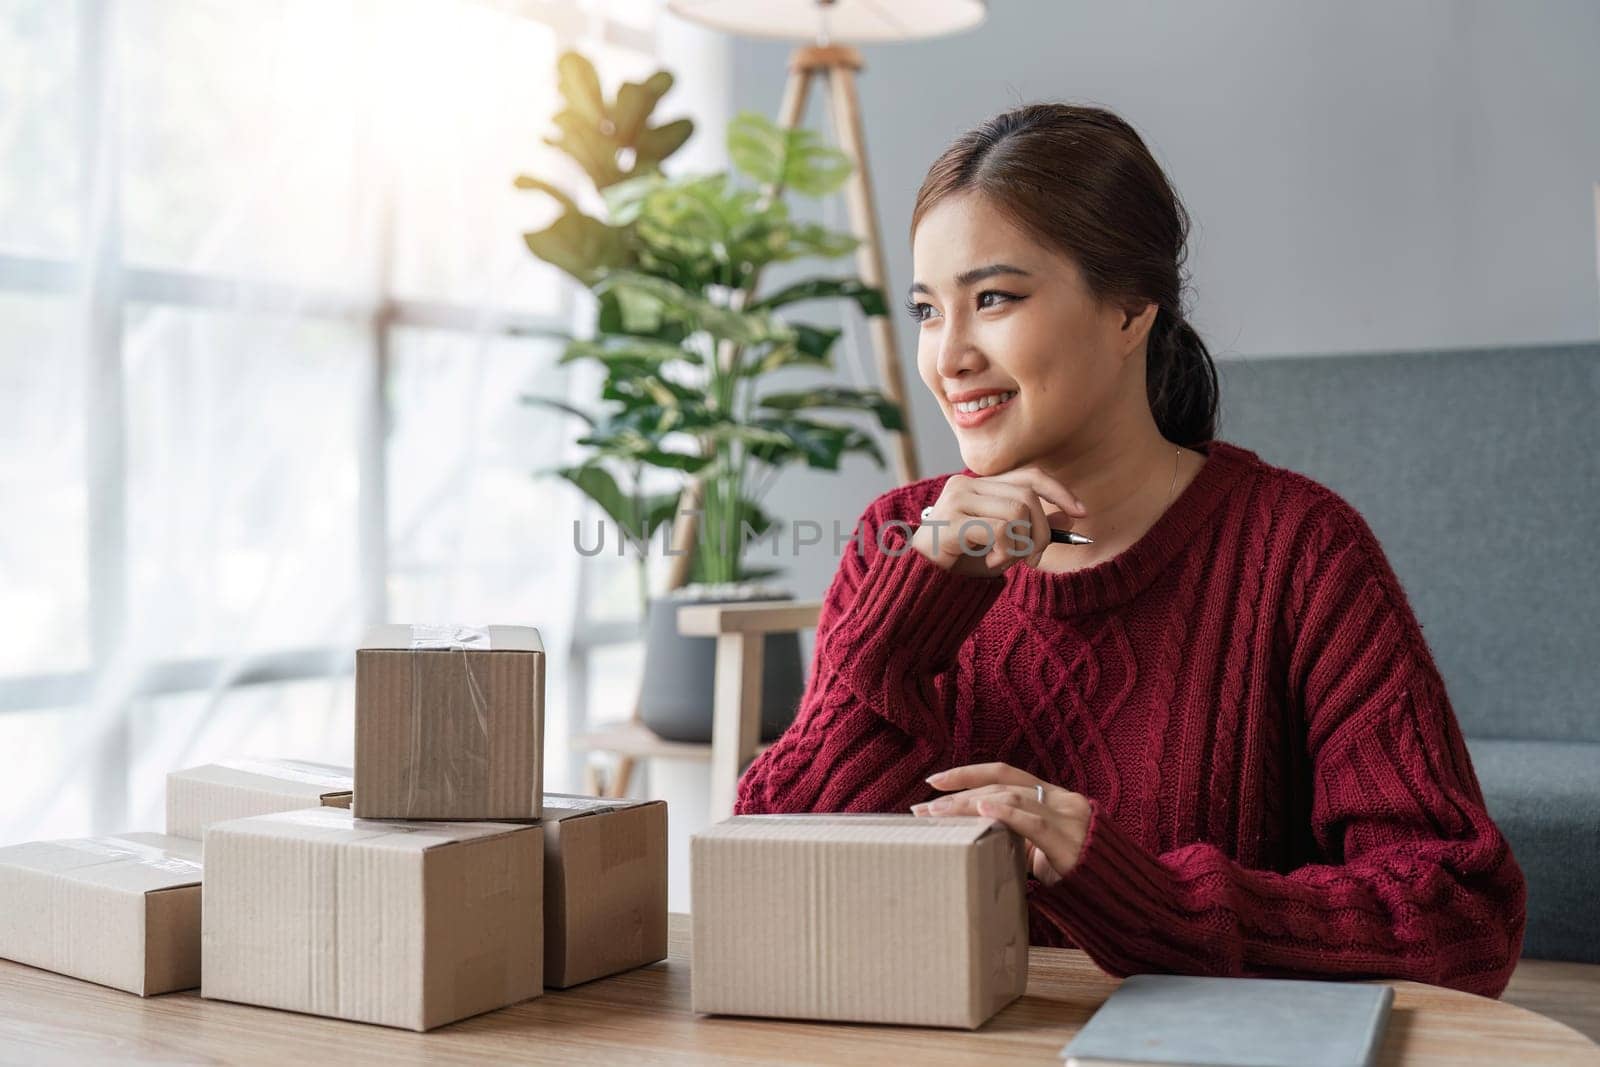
957	354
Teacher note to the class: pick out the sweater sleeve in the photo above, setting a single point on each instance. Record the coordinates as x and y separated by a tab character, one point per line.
1411	878
876	715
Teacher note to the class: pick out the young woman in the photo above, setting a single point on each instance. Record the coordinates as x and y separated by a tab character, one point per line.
1218	725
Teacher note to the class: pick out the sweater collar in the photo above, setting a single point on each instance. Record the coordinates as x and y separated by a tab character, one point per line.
1117	580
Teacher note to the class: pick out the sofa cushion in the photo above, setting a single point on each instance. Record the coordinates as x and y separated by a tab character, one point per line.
1545	797
1476	469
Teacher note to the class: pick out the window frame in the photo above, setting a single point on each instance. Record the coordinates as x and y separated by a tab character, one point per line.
103	285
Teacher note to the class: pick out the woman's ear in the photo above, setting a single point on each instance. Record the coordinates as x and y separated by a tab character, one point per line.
1136	325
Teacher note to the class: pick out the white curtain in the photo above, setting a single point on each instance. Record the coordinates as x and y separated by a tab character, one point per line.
264	306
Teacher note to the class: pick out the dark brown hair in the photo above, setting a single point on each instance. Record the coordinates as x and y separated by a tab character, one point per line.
1082	181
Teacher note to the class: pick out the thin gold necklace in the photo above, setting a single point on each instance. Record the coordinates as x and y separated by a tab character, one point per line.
1172	490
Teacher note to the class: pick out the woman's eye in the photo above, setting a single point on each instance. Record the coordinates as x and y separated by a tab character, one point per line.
918	310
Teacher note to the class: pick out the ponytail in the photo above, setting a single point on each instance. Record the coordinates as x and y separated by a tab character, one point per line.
1181	380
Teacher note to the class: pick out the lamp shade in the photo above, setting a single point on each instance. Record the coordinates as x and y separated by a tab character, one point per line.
851	21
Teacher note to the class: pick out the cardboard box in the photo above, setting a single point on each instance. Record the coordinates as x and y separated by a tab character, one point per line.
858	918
237	789
123	911
449	723
605	886
411	925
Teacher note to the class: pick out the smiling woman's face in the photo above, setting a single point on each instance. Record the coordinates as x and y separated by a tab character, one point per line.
1037	341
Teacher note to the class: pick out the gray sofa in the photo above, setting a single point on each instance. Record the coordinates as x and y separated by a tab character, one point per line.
1479	471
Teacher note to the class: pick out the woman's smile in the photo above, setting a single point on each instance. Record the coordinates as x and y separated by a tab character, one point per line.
973	410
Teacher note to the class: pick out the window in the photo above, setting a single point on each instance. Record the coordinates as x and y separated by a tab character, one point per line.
266	318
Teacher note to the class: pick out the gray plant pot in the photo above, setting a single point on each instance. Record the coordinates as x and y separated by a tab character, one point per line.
679	672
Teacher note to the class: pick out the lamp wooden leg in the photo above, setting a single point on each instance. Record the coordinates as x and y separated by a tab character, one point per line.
795	92
869	255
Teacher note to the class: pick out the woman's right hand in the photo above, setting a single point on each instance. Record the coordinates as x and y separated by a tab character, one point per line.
1001	511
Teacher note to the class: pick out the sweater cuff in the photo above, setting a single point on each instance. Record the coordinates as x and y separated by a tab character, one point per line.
1114	898
909	614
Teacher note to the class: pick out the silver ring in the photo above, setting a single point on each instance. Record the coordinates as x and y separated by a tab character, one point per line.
1038	793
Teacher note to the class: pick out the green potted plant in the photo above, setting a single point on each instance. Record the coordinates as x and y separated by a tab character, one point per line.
686	348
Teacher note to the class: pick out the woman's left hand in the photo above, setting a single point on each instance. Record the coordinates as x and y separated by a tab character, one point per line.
1054	827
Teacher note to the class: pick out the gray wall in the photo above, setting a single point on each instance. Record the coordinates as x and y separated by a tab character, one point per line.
1363	176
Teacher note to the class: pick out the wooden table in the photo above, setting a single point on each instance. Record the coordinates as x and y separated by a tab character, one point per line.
644	1016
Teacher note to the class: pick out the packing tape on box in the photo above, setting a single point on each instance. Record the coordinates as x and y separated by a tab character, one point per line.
121	850
449	636
461	766
339	819
332	778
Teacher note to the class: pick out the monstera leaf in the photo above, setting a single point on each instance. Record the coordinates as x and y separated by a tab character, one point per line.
655	299
599	136
867	297
580	245
793	159
817	444
888	413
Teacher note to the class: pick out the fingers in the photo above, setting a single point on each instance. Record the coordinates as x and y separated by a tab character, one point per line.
980	521
1027	527
999	519
976	774
968	801
1020	812
1046	486
1054	826
1018	808
963	803
1038	831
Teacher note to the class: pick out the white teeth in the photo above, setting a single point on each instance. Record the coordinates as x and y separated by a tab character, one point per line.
969	406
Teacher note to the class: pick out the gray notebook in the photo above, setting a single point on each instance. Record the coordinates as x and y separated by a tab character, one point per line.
1165	1019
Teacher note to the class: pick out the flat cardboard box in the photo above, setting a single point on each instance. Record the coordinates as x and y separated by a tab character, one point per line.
605	886
122	911
858	918
239	788
449	723
412	925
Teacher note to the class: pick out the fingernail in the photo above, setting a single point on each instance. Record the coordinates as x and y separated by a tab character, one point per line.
933	779
918	809
936	806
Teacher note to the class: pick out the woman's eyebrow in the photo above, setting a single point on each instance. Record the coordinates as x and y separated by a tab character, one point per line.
976	274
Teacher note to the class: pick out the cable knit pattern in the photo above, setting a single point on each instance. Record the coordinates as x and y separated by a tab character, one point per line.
1277	782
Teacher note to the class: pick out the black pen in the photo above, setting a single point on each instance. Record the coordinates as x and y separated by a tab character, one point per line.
1059	537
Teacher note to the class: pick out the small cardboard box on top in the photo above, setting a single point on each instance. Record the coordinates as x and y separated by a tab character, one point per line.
858	918
123	911
449	723
605	886
239	788
404	924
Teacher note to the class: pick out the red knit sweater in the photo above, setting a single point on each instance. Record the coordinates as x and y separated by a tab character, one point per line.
1277	781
